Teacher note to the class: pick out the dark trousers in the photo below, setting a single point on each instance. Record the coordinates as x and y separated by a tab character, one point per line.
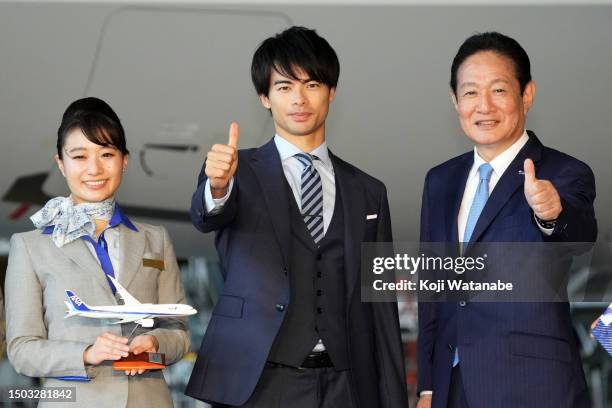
456	393
286	387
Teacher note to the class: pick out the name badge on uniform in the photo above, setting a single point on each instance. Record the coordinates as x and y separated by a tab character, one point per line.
153	263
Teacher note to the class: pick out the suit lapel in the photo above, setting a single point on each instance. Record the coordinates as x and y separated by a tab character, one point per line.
131	250
268	168
354	212
512	179
78	252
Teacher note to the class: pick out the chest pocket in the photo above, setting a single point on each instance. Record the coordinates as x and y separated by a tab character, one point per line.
371	226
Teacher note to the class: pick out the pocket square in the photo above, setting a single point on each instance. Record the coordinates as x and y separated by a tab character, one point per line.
371	216
153	263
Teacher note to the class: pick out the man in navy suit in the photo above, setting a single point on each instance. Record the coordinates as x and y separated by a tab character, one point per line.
511	188
289	329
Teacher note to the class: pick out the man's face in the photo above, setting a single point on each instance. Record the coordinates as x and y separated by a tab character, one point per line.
489	102
299	107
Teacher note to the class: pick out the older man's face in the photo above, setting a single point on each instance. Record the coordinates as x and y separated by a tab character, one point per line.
489	102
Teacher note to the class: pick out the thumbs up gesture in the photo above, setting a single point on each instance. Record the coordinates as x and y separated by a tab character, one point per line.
222	162
541	195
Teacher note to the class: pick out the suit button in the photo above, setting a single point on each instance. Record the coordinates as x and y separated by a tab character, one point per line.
462	303
319	274
319	292
318	256
319	310
451	348
280	307
199	213
285	271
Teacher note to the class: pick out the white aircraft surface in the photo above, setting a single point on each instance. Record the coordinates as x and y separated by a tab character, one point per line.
131	311
178	74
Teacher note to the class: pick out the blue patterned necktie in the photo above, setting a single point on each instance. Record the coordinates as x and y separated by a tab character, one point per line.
312	197
480	199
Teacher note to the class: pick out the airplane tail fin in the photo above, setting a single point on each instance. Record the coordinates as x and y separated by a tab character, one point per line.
75	304
128	299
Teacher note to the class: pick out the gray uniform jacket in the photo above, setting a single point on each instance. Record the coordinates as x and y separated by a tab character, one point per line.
42	343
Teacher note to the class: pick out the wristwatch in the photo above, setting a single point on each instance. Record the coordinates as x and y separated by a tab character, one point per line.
546	224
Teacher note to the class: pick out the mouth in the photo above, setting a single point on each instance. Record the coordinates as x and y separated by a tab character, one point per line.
486	124
95	184
300	116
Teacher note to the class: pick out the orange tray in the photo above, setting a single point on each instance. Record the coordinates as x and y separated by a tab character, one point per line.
147	361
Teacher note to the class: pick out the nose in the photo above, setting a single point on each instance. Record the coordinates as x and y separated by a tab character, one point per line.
94	166
484	103
299	97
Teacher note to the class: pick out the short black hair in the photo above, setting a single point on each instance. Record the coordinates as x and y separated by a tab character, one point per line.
501	44
98	122
296	47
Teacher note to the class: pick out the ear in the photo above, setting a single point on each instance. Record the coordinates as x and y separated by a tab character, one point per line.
265	101
528	96
125	161
332	94
60	164
453	99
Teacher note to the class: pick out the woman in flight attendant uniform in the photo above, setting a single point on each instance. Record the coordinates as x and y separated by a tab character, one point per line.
80	240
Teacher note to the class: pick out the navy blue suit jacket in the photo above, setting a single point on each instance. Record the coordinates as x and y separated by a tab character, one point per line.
512	354
252	240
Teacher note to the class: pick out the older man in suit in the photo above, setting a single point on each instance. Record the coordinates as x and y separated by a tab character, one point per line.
289	328
511	188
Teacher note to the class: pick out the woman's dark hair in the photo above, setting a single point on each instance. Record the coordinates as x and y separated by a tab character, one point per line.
98	122
296	47
500	44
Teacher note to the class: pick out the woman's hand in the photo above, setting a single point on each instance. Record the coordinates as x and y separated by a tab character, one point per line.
141	344
108	346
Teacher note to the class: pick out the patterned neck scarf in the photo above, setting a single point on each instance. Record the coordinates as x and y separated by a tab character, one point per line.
71	220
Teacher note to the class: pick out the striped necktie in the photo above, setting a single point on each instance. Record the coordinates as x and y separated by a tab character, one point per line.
480	199
312	196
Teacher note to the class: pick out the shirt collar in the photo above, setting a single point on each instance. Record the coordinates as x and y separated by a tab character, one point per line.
503	160
287	150
117	218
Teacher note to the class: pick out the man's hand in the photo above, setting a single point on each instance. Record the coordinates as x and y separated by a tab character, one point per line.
541	195
222	162
424	401
141	344
108	346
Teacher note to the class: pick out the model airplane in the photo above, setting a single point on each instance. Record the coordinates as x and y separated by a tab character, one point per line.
131	311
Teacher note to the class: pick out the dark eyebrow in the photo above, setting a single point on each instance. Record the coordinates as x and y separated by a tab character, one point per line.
75	149
463	85
83	149
285	81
